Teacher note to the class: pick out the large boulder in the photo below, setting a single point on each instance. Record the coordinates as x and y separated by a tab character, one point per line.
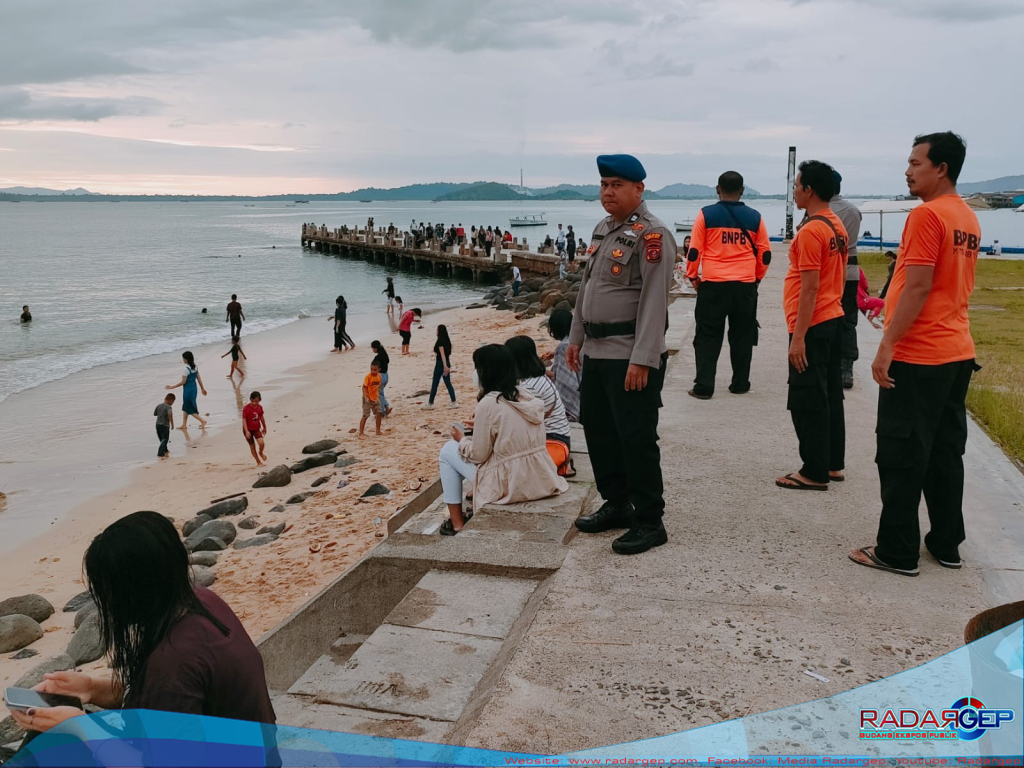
345	461
278	477
251	522
277	530
210	544
203	576
18	631
533	283
227	507
566	305
34	676
87	644
209	559
78	602
195	523
317	460
256	541
221	529
84	614
320	446
34	606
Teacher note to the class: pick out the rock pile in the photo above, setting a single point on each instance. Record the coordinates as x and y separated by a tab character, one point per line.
537	295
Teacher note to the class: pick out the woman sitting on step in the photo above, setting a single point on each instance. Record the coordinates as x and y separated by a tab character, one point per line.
503	451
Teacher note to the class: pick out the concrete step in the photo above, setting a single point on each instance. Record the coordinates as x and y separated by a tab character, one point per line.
426	660
306	712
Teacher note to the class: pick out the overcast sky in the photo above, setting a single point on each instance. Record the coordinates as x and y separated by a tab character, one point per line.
265	96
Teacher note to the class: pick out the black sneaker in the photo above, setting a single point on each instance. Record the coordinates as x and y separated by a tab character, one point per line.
848	379
639	538
609	516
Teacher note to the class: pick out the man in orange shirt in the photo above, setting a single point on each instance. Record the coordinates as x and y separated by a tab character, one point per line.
728	256
924	366
811	298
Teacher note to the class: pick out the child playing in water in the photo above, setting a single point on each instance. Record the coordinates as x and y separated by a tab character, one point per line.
164	424
235	351
254	427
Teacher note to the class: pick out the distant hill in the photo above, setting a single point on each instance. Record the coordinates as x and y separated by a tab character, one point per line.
412	192
44	191
1002	184
484	190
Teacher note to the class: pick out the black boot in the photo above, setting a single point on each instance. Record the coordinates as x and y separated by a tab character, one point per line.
609	516
639	538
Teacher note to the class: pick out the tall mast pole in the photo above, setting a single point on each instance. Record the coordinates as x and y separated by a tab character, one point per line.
790	181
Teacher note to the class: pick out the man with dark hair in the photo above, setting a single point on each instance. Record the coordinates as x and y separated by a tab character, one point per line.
620	322
235	316
924	366
812	301
851	216
728	257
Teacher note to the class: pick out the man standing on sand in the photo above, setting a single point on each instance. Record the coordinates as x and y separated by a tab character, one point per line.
850	215
618	341
924	366
726	260
235	316
812	299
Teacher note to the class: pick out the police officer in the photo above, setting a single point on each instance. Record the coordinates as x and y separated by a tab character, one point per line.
850	215
618	340
728	257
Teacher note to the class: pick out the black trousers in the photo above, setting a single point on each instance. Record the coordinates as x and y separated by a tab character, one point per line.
816	403
163	433
717	302
622	435
850	314
921	437
236	326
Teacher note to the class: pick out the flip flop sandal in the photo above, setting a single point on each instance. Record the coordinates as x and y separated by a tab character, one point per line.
799	485
869	553
840	479
955	565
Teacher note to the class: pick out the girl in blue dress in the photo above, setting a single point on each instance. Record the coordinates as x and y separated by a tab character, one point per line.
190	378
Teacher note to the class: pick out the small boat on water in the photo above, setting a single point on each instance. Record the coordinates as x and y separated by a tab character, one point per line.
302	201
370	201
529	220
686	226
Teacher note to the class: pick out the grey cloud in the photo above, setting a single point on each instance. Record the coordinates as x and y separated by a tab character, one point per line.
944	10
761	65
55	66
19	104
619	57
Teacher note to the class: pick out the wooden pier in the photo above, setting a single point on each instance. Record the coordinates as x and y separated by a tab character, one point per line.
396	249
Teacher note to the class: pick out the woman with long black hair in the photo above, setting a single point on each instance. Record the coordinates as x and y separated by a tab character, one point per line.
341	337
171	645
442	367
190	378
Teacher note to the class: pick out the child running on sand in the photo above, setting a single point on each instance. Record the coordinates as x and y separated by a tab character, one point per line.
254	427
235	351
164	424
371	398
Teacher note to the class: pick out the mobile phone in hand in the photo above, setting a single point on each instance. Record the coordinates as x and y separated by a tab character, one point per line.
25	698
463	428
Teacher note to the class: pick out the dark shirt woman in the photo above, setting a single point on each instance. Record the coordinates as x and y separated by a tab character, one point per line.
173	647
442	366
341	337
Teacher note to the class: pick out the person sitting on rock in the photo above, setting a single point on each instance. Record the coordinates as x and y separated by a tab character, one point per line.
502	450
171	645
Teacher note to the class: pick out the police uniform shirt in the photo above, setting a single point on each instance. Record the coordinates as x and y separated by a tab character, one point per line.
627	278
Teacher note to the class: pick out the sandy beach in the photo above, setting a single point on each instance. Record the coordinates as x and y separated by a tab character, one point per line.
264	584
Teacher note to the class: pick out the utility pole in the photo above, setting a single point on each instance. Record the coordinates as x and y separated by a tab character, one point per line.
790	181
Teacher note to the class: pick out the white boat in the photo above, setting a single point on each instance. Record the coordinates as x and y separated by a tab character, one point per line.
530	220
685	226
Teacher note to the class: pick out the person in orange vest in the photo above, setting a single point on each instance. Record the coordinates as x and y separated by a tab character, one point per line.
728	257
812	299
924	366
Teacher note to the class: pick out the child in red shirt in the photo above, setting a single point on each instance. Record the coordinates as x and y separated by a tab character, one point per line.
254	427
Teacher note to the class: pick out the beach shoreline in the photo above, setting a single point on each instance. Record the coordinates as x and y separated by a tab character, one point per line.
315	399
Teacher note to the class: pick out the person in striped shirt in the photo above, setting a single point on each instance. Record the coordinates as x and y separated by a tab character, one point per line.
532	376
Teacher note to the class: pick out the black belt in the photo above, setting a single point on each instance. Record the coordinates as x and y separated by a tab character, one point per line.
604	330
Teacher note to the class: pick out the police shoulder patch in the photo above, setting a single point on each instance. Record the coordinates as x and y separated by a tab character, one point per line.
652	247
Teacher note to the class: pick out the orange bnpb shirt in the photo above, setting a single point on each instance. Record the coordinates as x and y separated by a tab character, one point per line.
816	247
372	384
943	233
721	250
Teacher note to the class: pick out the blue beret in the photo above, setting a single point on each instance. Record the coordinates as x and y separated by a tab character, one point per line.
624	166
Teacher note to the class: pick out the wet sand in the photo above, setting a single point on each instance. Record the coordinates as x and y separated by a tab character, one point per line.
308	402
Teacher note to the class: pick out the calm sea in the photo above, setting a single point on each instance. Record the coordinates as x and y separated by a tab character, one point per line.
111	282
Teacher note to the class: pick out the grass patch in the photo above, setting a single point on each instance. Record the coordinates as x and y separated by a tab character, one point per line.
996	397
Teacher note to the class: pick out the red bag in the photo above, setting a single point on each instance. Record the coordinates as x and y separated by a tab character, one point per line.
559	453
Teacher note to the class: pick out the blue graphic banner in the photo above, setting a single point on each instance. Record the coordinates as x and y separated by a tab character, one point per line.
962	709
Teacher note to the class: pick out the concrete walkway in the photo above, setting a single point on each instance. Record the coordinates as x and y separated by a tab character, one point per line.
754	587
